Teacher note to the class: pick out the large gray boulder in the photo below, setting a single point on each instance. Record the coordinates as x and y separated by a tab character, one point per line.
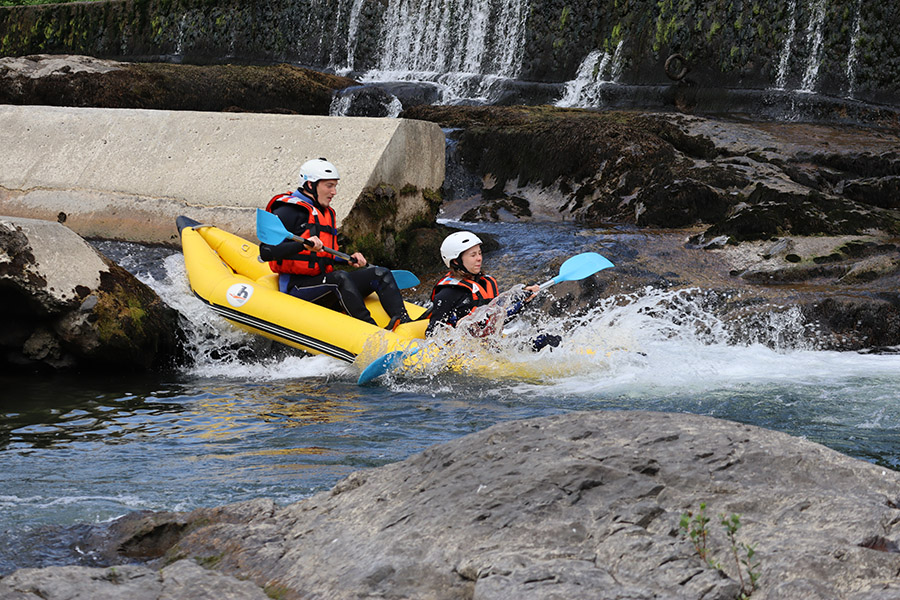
67	306
183	579
583	505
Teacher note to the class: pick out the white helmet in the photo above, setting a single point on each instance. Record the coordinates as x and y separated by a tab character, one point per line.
316	169
457	243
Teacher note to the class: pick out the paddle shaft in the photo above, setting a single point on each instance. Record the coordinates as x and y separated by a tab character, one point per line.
337	253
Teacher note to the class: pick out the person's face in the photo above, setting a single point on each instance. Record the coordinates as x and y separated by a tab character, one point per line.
471	259
327	190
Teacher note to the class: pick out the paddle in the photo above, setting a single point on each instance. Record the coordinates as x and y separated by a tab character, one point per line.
382	365
270	230
578	267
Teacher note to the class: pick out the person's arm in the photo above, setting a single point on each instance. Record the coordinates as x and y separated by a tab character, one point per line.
446	306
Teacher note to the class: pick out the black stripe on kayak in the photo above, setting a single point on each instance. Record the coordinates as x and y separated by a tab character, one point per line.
281	332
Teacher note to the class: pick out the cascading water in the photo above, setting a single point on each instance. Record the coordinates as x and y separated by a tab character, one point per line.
815	33
854	49
466	46
351	13
815	36
784	64
597	70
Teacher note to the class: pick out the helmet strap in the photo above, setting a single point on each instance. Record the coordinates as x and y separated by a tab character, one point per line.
311	188
457	265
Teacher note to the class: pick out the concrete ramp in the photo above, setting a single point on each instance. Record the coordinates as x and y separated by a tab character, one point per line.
126	174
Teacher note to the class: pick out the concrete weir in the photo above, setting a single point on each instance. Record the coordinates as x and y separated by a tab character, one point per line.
126	174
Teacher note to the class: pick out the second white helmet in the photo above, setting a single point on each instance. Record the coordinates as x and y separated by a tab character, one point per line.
316	169
457	243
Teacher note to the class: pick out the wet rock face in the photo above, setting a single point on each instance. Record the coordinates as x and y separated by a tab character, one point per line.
69	307
551	507
748	182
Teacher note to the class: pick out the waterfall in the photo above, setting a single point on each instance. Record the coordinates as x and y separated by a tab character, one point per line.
815	35
468	46
854	49
352	29
784	65
597	70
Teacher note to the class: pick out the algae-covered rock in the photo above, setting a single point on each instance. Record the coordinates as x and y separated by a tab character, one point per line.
85	81
70	307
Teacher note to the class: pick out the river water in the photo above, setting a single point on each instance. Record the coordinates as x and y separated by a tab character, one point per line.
245	422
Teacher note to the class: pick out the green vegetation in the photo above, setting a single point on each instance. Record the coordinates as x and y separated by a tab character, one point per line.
696	528
667	24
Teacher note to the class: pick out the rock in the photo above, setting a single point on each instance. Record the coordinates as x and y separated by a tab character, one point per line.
183	579
570	506
68	306
73	80
365	101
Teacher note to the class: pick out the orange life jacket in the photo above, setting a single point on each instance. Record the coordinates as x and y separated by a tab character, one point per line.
321	224
482	290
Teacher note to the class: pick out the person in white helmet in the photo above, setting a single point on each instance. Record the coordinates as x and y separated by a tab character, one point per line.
305	270
466	286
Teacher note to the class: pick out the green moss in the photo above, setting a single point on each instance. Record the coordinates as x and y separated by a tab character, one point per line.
209	562
667	24
564	17
276	592
713	30
380	202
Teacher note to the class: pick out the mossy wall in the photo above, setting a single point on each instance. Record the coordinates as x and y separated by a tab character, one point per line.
727	43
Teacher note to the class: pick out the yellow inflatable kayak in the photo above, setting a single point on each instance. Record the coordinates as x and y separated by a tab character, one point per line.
225	271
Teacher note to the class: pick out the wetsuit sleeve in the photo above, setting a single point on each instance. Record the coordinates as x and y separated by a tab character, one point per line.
295	219
448	306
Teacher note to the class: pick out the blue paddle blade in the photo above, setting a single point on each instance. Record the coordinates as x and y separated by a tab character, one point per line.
382	365
405	279
269	228
581	266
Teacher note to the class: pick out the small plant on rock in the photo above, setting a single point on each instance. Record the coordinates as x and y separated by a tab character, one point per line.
696	528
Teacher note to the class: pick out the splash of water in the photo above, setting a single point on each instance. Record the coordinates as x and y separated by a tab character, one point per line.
629	331
597	70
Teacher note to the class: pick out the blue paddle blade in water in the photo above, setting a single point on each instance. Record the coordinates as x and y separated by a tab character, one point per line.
379	367
382	365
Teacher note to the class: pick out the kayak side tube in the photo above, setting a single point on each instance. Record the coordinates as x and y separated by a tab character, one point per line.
224	270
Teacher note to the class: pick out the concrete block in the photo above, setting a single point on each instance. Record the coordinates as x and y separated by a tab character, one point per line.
127	173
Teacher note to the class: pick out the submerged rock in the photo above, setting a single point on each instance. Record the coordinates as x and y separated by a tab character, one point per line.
67	306
582	505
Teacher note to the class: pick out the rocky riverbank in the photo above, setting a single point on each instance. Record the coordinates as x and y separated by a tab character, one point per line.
597	505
